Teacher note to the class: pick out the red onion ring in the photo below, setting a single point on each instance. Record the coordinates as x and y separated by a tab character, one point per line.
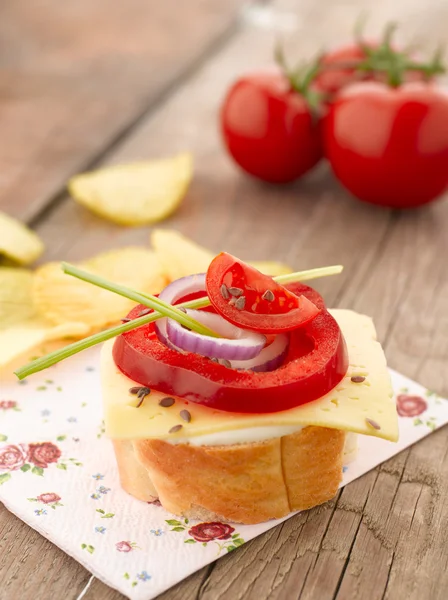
237	344
269	359
174	292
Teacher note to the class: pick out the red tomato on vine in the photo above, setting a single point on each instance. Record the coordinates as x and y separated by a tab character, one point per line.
389	146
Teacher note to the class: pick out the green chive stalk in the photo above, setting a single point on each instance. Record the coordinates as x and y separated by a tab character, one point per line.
44	362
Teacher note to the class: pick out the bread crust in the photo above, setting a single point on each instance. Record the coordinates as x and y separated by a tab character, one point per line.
243	483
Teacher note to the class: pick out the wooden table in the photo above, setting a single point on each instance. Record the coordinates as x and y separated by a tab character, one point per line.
86	83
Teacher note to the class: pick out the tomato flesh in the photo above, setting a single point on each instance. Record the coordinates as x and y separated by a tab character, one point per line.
317	360
249	299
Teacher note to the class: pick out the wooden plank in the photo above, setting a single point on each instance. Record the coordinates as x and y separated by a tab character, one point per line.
75	76
383	535
35	568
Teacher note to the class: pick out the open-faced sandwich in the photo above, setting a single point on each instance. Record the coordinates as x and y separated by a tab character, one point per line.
237	398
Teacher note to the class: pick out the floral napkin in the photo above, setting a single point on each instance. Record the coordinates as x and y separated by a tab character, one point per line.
57	473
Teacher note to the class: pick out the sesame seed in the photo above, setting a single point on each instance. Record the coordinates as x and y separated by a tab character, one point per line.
268	296
166	402
235	291
143	391
175	429
373	424
135	390
225	292
357	379
185	415
240	303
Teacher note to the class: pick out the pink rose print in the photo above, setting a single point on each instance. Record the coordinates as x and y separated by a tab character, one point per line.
125	546
410	406
207	532
8	404
44	453
48	498
13	457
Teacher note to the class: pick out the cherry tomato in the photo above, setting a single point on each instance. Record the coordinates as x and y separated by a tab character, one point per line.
317	361
249	299
268	128
389	146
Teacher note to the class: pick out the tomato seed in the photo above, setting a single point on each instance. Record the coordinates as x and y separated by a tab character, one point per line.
240	303
225	292
144	312
373	424
358	379
268	296
234	291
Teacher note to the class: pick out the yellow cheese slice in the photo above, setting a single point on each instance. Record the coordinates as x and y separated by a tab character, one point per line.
366	407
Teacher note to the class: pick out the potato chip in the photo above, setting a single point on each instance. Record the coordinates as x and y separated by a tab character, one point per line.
180	256
137	193
17	242
26	335
62	299
15	296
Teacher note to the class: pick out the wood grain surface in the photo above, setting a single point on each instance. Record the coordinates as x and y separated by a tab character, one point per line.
384	535
75	76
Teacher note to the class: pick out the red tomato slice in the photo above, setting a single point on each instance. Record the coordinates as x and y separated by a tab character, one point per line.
249	299
317	361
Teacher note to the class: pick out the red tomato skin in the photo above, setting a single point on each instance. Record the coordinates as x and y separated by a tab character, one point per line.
389	146
260	315
268	128
332	80
317	361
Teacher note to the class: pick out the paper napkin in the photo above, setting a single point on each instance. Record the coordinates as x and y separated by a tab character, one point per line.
58	474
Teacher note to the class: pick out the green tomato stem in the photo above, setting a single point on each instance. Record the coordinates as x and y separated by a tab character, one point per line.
58	355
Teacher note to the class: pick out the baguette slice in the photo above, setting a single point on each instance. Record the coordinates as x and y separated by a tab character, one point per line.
243	483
